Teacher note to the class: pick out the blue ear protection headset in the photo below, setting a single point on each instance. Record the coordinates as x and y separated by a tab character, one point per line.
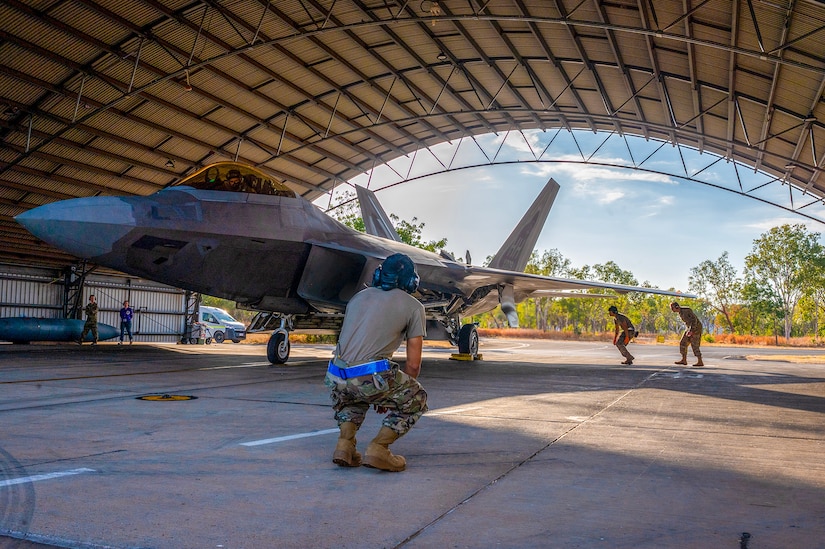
397	271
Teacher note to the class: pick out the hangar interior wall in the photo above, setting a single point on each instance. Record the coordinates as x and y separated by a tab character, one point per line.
160	311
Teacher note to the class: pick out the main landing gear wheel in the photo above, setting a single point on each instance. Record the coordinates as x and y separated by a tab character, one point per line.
277	349
468	340
219	337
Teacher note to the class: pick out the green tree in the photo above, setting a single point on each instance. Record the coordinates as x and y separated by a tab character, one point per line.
349	213
654	314
410	233
716	282
591	312
761	303
549	263
612	273
816	294
785	259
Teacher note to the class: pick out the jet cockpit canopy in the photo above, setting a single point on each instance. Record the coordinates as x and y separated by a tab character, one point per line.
235	177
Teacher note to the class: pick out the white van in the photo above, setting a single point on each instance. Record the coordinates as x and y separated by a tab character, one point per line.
222	325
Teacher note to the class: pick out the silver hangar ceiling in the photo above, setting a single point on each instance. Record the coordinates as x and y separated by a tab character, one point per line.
128	96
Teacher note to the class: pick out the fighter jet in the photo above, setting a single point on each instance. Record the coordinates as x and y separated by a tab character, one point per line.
230	230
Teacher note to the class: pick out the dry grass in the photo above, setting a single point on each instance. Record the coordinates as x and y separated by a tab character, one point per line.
525	333
258	338
799	359
720	339
767	341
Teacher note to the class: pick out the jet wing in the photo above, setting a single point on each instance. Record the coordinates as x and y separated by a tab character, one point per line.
525	285
530	284
484	288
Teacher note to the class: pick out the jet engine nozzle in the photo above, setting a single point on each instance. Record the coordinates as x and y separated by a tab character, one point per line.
507	300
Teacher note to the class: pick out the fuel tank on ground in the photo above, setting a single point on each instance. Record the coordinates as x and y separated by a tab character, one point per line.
26	329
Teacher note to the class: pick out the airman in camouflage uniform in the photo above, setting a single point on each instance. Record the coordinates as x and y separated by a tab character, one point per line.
692	334
392	390
377	321
91	321
623	332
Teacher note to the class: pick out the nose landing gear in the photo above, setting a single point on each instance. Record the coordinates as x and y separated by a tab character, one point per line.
277	348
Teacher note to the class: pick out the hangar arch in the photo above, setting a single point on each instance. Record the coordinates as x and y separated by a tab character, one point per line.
657	159
111	97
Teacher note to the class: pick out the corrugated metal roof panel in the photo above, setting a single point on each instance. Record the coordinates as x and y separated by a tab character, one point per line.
333	81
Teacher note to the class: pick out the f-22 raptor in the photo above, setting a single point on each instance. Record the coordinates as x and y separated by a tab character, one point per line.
231	231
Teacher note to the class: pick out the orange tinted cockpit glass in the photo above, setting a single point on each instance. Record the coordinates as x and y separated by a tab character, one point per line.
234	177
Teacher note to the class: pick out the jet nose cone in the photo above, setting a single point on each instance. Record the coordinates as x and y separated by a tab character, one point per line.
84	227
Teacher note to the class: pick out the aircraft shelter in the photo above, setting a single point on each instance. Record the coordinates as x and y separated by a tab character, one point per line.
126	98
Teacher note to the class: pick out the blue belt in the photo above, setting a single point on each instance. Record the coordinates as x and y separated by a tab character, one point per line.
361	370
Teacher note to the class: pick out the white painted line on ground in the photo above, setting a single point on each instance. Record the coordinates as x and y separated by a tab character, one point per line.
501	349
47	476
289	437
331	431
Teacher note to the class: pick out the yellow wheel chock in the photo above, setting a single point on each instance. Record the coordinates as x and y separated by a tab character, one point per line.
465	356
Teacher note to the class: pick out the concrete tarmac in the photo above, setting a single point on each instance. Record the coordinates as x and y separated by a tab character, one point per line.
540	444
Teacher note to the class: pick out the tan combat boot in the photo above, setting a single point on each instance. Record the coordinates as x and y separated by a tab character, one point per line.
699	363
683	361
345	453
378	455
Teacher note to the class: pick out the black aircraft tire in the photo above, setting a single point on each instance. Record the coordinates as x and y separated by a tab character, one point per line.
236	341
219	337
277	349
468	340
193	340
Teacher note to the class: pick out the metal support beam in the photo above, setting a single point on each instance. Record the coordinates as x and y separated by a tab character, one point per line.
74	279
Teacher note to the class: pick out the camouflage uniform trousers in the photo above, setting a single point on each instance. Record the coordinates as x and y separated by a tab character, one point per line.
401	394
622	346
90	325
694	339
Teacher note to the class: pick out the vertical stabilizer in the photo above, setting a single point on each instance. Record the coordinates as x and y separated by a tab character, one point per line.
376	220
515	252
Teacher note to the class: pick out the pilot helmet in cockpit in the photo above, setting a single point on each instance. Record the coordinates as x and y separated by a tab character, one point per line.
212	177
233	180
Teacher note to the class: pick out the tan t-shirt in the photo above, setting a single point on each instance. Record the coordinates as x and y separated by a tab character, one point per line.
377	322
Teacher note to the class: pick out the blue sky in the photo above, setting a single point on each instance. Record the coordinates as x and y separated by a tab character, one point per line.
654	225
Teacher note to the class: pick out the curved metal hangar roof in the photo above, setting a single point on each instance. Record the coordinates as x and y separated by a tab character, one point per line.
128	96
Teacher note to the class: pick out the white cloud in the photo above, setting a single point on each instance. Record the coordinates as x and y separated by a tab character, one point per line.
681	223
766	224
609	197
